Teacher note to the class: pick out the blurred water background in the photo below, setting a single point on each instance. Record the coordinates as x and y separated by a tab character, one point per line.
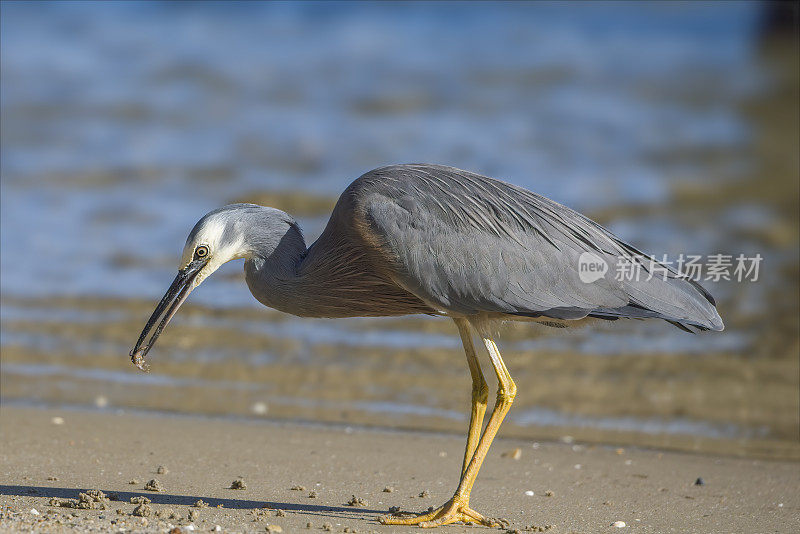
674	124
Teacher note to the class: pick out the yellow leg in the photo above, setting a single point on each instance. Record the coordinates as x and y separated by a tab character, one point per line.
457	508
480	392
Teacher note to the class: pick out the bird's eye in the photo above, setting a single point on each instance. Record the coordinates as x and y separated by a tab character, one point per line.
201	251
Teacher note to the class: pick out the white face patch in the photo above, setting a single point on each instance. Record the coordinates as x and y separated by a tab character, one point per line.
211	235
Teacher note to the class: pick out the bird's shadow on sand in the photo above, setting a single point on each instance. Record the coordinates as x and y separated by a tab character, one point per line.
187	500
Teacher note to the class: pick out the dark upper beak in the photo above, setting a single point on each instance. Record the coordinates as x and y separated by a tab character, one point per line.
172	300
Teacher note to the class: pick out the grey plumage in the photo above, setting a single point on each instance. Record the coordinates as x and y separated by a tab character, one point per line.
433	239
470	244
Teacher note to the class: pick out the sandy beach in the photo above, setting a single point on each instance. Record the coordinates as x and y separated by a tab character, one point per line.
51	456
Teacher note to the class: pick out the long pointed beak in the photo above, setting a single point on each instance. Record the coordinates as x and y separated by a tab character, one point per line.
172	300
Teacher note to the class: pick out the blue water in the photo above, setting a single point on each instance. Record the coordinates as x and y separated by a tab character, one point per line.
536	417
123	123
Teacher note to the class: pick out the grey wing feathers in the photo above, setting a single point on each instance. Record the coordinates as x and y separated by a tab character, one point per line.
468	244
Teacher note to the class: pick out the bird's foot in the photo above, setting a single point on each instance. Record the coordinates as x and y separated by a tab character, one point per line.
455	510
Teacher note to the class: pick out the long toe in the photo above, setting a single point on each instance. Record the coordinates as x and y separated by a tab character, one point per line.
453	511
463	514
403	518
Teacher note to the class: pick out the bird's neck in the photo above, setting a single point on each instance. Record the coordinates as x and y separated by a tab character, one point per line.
332	278
301	281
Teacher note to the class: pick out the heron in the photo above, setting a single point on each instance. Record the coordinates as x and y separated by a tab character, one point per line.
437	240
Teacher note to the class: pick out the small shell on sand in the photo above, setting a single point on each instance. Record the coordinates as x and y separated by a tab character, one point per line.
529	493
548	493
161	470
514	454
154	485
238	484
388	489
274	528
298	488
618	524
57	420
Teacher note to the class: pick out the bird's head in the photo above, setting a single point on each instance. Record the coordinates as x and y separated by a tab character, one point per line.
228	233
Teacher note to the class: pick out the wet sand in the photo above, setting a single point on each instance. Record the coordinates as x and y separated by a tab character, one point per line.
55	454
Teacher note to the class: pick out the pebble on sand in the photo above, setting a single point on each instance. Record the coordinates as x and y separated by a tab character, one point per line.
699	482
57	420
238	484
618	524
154	485
259	408
143	510
356	501
274	528
161	470
167	513
529	493
388	489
